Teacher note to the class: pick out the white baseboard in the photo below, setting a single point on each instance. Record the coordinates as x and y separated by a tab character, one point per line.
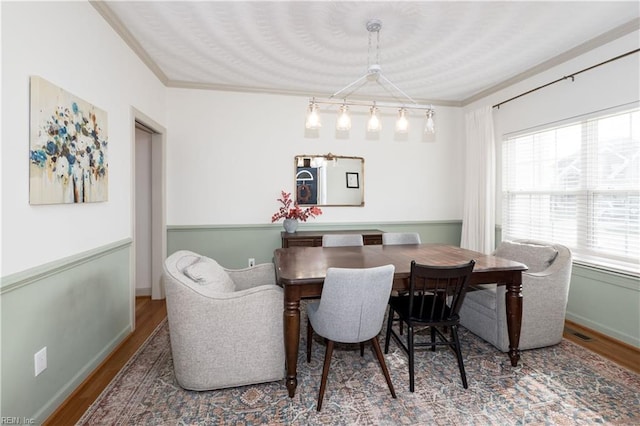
143	292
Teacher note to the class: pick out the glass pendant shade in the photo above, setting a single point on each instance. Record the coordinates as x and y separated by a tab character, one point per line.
313	117
344	119
430	126
374	124
402	124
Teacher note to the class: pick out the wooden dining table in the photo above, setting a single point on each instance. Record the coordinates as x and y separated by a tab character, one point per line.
300	271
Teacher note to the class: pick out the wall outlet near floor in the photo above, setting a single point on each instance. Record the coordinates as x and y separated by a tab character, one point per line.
40	360
252	262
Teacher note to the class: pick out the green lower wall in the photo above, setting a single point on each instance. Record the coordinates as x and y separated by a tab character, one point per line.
232	246
79	308
605	301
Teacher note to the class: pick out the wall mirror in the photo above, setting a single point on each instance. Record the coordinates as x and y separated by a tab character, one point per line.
329	180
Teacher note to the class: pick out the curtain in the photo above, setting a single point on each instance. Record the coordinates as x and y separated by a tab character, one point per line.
478	219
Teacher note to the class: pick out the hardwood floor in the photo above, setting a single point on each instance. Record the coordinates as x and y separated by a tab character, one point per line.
622	354
149	313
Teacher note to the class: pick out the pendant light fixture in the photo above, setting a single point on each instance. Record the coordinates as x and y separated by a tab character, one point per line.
344	119
402	124
404	103
313	116
430	126
374	125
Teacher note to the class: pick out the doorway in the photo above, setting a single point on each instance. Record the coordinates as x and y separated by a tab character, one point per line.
148	208
143	210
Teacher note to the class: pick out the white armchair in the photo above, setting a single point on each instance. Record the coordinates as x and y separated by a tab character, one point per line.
225	326
545	290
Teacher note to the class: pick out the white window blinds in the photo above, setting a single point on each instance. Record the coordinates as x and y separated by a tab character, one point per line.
579	185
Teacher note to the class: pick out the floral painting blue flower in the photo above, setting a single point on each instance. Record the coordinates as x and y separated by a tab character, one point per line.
68	150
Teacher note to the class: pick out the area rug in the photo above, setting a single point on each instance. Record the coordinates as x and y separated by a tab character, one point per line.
561	385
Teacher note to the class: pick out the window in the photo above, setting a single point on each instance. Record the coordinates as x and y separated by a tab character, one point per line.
577	184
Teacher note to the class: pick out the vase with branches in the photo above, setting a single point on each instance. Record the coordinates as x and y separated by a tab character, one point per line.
292	215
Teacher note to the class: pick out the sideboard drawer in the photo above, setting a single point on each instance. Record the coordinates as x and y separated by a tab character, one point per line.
302	242
370	240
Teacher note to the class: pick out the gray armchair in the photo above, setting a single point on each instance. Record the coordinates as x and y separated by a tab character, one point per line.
545	289
225	326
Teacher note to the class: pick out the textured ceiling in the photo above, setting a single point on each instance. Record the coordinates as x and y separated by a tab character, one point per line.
435	51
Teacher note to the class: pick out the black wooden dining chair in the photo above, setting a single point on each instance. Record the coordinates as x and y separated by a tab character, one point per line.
435	296
400	238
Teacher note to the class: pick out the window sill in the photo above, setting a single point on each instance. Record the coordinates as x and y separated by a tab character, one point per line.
620	268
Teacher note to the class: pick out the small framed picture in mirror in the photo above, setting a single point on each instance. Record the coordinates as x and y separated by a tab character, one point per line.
352	180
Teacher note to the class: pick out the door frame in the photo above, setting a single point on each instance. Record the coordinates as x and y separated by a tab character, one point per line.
158	206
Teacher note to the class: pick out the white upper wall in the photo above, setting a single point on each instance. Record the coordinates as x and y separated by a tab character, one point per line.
230	154
70	45
610	85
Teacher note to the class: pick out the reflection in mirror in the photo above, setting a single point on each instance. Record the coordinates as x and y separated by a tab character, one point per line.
329	180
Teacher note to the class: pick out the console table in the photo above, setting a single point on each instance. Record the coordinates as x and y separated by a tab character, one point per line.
314	238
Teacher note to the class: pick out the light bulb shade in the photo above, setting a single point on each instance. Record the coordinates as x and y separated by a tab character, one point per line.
374	124
344	119
402	124
313	117
430	125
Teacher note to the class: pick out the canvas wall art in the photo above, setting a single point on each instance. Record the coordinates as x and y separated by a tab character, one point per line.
68	147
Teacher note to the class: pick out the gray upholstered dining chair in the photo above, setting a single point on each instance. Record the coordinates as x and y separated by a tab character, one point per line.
351	310
342	240
395	238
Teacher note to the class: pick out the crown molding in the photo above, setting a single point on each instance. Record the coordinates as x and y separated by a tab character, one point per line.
128	38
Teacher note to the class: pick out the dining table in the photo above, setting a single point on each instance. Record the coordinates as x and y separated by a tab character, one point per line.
300	271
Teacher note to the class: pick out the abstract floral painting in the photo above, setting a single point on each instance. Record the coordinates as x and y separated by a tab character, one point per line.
68	147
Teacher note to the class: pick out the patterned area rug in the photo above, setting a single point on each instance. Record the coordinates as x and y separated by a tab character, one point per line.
560	385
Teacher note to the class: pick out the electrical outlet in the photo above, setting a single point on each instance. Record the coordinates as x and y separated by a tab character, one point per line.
252	262
40	360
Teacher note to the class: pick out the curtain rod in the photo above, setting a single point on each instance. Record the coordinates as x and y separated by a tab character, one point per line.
571	76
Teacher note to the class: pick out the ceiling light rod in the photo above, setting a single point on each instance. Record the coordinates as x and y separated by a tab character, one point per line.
397	88
329	101
361	79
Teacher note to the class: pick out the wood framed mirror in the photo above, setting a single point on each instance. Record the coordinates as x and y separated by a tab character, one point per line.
329	180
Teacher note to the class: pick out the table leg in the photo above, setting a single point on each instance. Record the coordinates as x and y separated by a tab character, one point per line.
291	340
513	302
